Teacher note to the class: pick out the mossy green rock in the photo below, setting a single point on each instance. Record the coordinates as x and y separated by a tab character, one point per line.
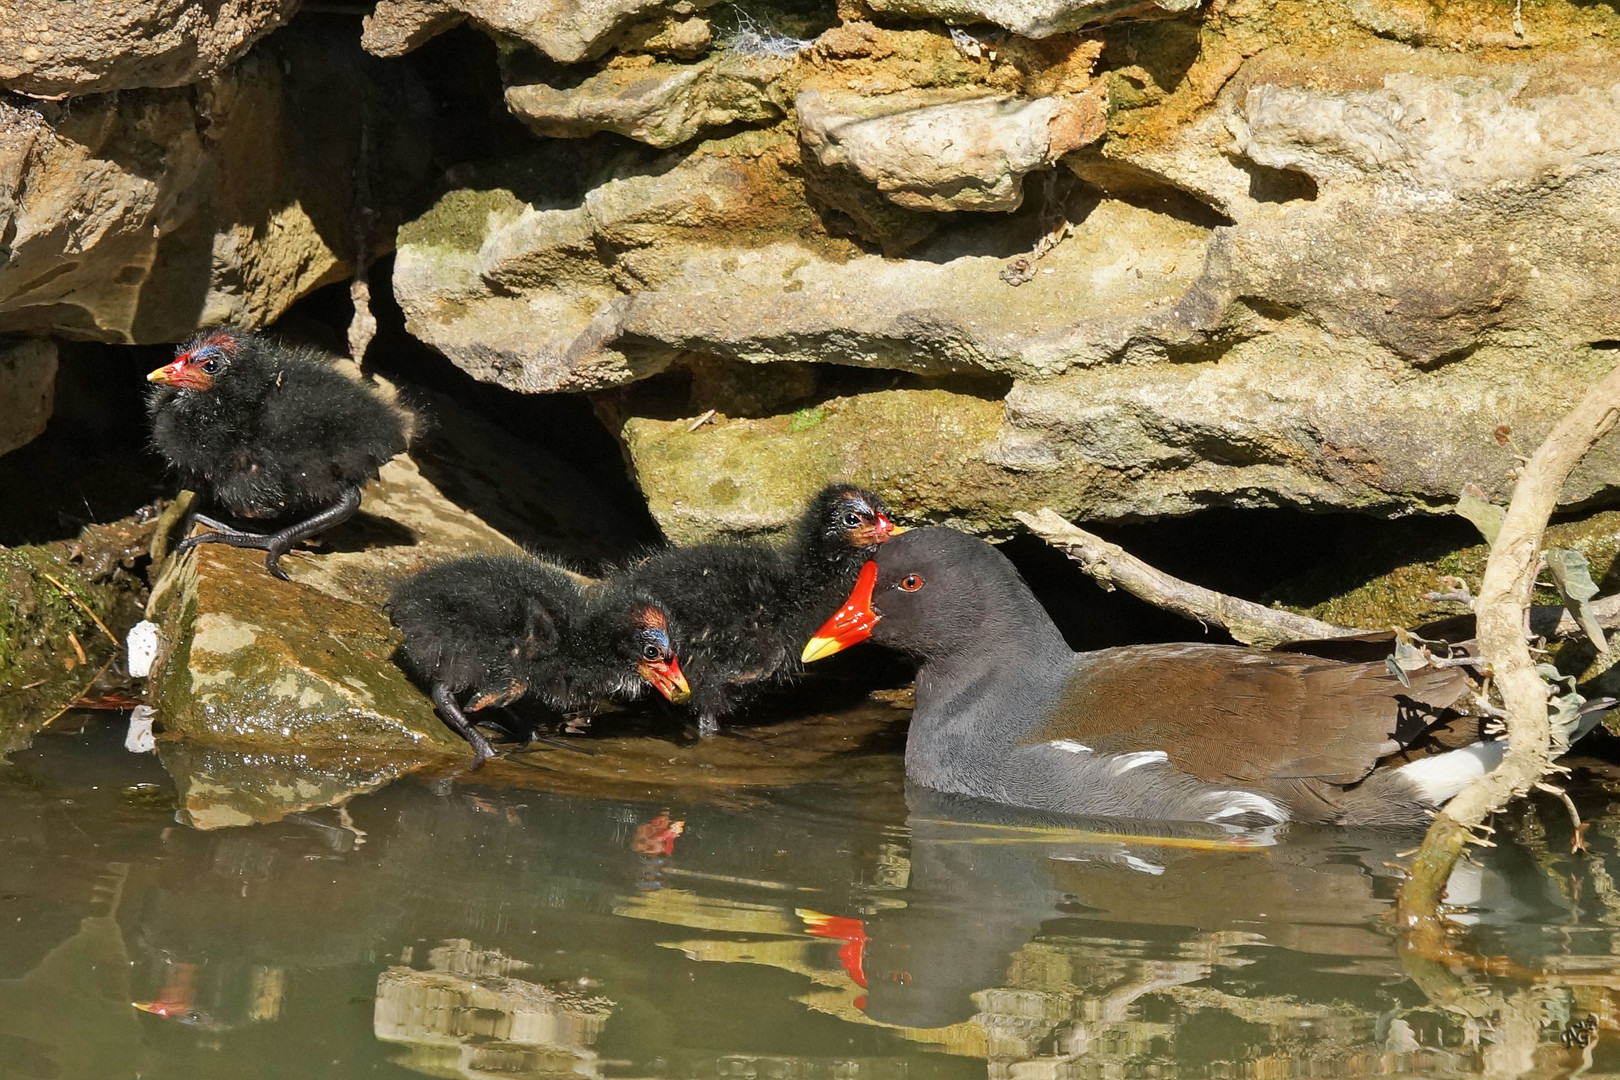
41	670
921	449
306	666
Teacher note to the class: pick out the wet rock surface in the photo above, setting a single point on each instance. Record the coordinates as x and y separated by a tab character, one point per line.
218	788
49	49
253	662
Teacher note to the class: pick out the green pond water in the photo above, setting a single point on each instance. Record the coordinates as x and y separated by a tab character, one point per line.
841	928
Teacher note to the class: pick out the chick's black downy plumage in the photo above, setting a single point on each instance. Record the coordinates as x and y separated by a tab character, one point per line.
492	626
270	431
501	627
740	613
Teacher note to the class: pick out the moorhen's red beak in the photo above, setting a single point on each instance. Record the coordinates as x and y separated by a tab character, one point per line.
851	624
666	678
181	373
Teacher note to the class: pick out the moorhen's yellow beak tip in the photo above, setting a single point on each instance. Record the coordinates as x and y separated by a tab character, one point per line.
157	376
896	530
818	648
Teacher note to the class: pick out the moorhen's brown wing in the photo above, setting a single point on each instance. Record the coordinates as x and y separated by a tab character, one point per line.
1223	714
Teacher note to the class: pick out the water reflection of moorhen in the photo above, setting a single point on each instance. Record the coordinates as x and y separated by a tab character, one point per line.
505	626
740	612
1005	711
270	431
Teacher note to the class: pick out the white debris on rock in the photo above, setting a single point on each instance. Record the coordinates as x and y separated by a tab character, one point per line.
142	645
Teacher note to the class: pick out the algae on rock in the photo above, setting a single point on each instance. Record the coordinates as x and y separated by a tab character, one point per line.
251	662
52	649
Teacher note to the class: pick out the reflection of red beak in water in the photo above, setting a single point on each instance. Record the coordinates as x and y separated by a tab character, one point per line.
852	932
657	837
175	996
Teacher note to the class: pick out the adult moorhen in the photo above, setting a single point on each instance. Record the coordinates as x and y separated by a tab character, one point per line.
740	611
507	626
1217	733
270	431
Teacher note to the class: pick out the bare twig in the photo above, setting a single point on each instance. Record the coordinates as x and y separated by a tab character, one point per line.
1111	565
1504	596
1248	622
1578	841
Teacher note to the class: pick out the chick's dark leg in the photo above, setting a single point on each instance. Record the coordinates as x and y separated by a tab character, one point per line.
276	544
452	715
336	514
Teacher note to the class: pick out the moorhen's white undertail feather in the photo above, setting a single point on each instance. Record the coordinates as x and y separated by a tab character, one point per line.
1006	711
270	431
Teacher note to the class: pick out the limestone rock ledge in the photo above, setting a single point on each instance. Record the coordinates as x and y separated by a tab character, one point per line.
925	150
565	30
661	104
136	217
248	662
50	49
1261	287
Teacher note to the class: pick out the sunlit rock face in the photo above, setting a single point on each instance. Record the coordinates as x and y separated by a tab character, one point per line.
660	104
50	49
933	151
564	30
1034	18
1250	255
138	217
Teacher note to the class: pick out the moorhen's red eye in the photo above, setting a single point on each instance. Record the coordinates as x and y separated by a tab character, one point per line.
911	583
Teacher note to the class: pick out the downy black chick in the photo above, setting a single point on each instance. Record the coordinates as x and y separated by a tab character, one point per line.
740	613
270	431
502	627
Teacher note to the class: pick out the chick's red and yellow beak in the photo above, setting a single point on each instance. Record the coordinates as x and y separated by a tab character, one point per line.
880	529
850	624
665	677
182	373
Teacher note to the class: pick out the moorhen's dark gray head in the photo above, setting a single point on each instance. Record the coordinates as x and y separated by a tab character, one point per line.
931	592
